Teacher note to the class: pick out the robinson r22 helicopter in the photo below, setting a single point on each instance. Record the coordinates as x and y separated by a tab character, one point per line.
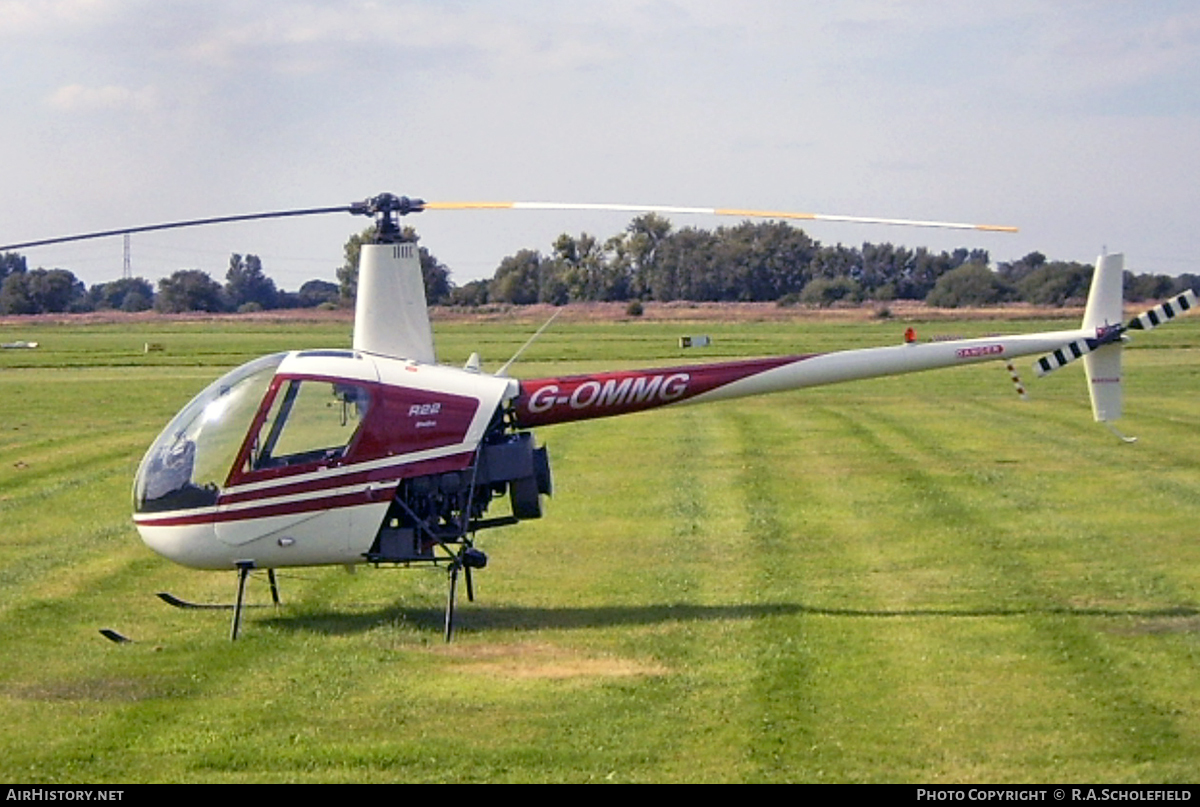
377	454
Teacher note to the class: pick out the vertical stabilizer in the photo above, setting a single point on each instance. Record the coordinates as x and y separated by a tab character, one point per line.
1104	382
1104	310
1104	304
390	313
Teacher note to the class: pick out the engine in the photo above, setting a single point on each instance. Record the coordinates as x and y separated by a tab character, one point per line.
442	509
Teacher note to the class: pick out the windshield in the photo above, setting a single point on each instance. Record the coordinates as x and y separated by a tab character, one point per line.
189	462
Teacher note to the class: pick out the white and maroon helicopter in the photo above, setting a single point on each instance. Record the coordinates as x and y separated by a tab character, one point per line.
377	454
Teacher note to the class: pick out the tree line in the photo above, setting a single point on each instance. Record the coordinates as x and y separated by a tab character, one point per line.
777	262
648	261
246	288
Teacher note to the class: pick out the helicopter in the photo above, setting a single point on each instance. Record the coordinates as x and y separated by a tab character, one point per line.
377	454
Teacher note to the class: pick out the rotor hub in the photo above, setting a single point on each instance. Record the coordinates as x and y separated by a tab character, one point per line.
387	208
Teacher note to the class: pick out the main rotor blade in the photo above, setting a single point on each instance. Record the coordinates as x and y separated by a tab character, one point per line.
174	225
387	205
713	211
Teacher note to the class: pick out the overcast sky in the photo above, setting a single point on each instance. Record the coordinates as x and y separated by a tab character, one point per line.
1076	121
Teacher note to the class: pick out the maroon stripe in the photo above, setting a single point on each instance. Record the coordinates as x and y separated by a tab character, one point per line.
456	462
353	499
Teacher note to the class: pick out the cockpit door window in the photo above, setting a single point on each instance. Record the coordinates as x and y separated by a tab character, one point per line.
309	421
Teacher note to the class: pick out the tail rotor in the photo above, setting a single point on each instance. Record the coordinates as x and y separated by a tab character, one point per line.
1116	334
1101	352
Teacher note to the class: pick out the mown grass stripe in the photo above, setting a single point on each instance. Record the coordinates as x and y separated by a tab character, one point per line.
943	603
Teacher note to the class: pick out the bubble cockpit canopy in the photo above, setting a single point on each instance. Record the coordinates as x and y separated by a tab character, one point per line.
190	461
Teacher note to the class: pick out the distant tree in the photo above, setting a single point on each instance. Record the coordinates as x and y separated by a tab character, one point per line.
551	282
189	290
247	285
763	261
436	276
14	295
825	291
882	267
1139	288
126	294
347	273
42	291
685	267
56	291
1014	271
1186	281
921	273
137	300
472	293
517	279
777	261
641	241
971	284
315	292
434	273
581	266
1054	283
836	261
11	262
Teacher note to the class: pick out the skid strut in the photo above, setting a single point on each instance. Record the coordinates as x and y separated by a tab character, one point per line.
452	576
468	558
244	568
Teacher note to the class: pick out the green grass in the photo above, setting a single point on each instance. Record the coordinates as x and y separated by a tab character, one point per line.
917	579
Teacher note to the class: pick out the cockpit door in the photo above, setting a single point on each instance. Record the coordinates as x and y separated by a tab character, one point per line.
291	493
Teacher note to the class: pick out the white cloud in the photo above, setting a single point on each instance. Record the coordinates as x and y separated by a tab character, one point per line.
410	37
1049	116
81	98
20	16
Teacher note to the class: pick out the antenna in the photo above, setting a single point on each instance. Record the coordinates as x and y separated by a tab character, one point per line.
528	342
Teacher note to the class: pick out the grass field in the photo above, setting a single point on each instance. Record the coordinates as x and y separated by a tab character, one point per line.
917	579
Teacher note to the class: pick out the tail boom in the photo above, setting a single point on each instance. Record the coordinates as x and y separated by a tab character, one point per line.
583	397
1098	341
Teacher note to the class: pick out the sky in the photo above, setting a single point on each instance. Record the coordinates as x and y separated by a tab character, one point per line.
1078	122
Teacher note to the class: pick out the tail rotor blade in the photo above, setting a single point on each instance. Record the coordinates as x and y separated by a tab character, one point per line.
1065	355
1147	320
1156	316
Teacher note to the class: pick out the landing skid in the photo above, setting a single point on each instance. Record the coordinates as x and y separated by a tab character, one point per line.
244	569
466	559
113	636
176	602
